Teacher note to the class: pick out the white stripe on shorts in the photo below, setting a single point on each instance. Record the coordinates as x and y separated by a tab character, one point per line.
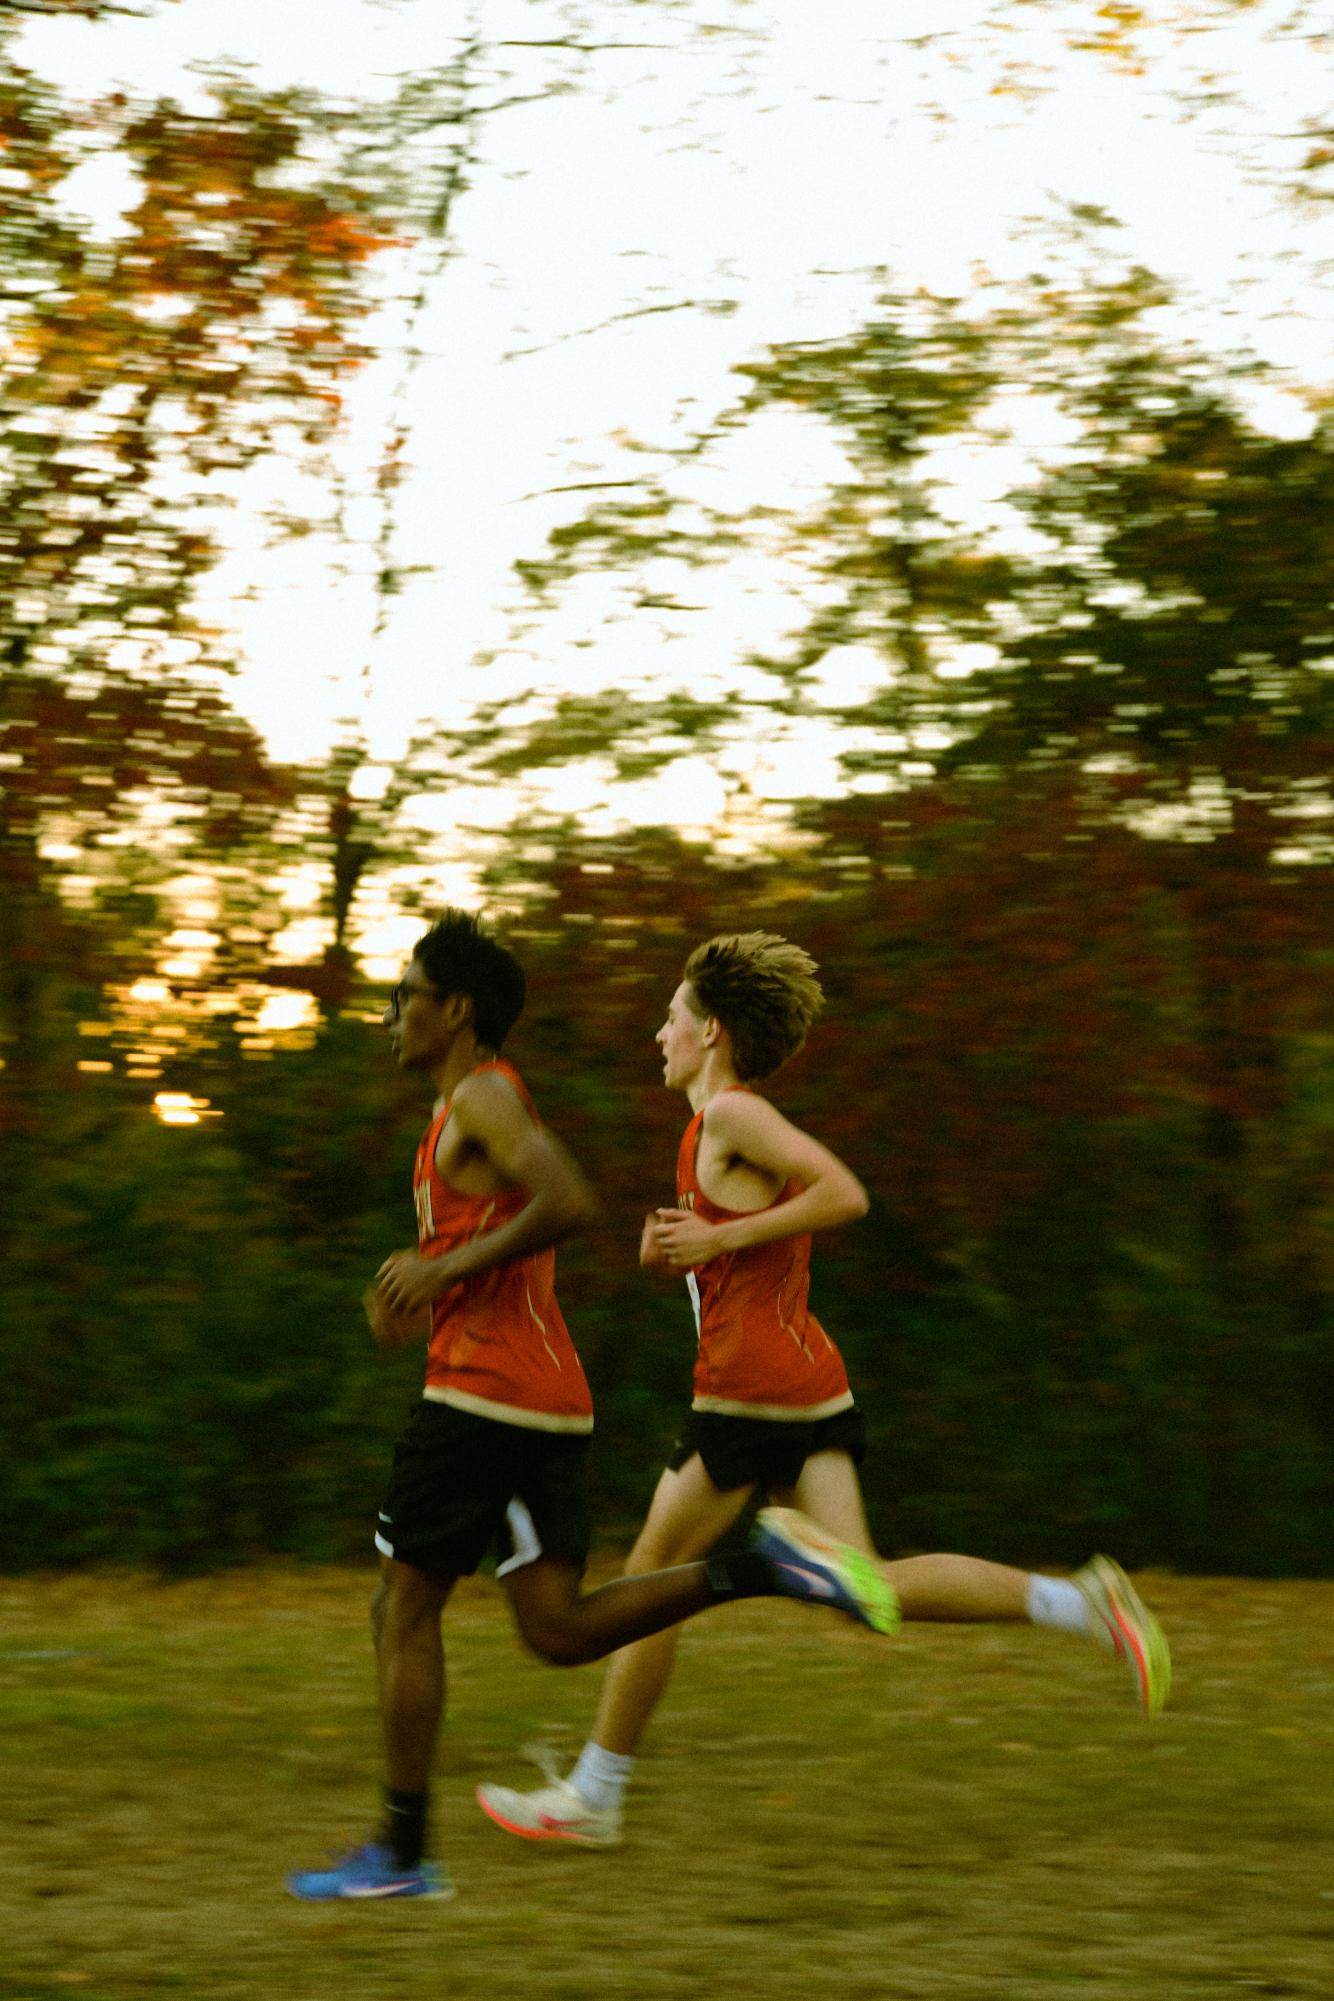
527	1548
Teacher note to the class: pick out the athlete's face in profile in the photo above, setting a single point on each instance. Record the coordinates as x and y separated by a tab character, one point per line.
681	1040
413	1018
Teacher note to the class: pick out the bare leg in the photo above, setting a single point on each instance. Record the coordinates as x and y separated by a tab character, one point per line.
957	1589
568	1627
635	1619
687	1516
410	1662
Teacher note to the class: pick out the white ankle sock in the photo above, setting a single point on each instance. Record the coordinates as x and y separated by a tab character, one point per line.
1055	1601
600	1777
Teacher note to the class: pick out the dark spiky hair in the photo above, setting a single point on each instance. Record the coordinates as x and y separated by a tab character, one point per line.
763	991
458	957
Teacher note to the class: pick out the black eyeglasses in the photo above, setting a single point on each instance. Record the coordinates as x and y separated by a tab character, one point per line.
405	990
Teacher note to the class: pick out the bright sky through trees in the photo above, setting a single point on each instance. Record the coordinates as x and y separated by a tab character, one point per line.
683	186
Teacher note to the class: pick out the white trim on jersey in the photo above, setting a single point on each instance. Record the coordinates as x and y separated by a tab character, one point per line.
776	1413
507	1413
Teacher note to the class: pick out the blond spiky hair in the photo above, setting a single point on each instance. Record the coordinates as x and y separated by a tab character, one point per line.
763	991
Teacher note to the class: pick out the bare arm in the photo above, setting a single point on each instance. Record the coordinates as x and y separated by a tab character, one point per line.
753	1131
491	1115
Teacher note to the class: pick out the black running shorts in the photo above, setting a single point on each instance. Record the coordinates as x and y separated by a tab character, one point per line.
764	1451
461	1483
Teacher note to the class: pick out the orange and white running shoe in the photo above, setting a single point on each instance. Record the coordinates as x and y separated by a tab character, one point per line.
555	1812
1130	1627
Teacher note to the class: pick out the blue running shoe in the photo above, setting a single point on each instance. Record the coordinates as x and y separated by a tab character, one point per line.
369	1872
806	1563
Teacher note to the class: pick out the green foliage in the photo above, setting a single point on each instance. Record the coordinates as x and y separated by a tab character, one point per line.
1069	1319
188	1378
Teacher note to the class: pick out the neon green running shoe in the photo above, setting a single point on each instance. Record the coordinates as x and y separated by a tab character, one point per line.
1135	1635
806	1563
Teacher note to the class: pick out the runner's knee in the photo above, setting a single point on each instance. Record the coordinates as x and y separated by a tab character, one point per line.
552	1639
404	1599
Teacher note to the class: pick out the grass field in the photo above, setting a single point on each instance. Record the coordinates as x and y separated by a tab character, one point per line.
959	1813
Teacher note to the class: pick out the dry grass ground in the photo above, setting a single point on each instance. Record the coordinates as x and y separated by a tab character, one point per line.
960	1815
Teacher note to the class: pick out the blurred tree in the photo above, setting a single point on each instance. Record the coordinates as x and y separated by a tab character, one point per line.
1089	954
1162	661
141	370
1072	908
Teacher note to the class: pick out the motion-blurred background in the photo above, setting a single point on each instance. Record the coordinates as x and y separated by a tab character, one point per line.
639	474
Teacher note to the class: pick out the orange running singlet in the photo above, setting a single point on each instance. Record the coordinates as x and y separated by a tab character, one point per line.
762	1352
499	1343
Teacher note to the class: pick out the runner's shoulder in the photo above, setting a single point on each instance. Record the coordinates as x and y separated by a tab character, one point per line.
487	1094
734	1116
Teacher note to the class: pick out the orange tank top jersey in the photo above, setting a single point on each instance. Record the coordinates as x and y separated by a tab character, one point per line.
499	1344
762	1352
